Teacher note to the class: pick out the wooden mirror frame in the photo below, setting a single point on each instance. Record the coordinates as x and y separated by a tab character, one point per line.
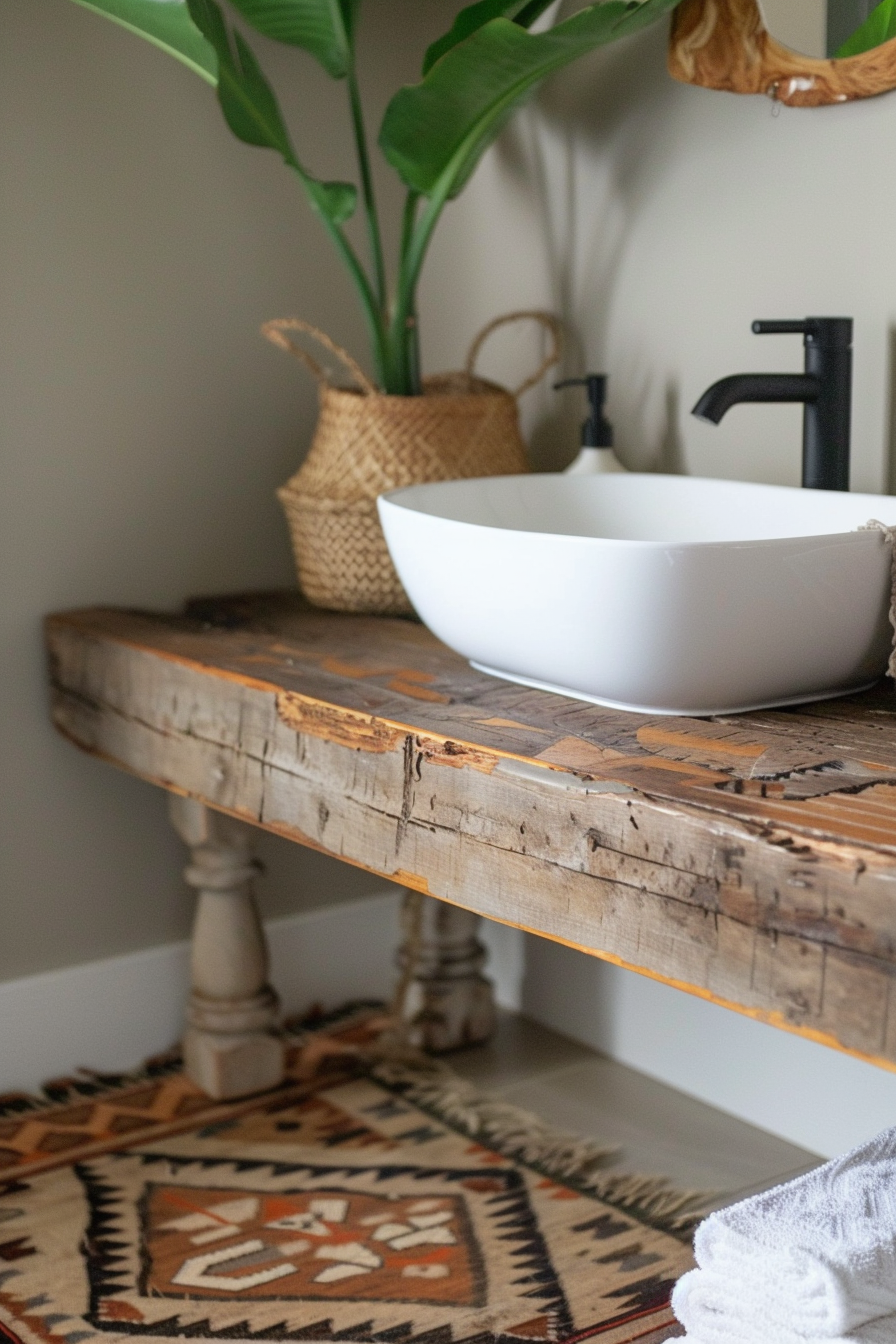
724	44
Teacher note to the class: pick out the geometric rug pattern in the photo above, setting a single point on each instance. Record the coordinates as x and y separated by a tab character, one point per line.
332	1210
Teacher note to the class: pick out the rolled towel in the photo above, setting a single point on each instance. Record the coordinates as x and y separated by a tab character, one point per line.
713	1313
817	1255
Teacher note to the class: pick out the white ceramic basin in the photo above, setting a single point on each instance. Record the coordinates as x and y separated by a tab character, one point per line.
666	594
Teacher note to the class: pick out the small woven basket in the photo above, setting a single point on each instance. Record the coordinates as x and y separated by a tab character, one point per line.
367	442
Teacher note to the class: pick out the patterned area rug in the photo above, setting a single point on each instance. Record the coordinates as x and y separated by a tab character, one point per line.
380	1200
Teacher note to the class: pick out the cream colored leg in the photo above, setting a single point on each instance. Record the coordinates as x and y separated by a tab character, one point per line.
230	1046
449	1002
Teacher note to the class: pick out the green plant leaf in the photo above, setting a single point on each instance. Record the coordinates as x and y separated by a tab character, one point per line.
435	132
879	27
530	12
321	27
350	10
247	100
252	112
469	20
336	200
165	23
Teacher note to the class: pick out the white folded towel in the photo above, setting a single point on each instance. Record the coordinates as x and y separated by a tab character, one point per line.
705	1305
815	1257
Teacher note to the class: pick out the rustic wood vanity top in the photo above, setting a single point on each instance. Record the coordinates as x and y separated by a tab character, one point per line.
750	859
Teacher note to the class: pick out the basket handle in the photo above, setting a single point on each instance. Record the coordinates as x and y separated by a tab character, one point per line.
275	331
551	325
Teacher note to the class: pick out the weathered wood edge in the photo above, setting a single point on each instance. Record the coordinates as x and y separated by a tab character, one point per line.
704	936
831	784
760	766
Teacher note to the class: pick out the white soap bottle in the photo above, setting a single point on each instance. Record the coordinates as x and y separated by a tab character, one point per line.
596	454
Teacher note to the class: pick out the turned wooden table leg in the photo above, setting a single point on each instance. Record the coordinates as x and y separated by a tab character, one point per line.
448	1001
230	1046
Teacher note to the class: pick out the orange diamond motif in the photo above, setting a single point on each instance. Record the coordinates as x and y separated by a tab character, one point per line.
240	1245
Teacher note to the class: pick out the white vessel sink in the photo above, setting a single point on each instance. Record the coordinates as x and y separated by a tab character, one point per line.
664	594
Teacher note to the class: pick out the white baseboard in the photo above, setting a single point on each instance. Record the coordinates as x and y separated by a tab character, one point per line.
111	1014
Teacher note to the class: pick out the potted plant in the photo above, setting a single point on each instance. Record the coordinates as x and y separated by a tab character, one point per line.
433	135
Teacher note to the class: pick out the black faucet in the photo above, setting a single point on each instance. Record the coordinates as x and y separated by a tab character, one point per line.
825	389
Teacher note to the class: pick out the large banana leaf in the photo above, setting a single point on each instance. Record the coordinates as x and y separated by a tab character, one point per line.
523	12
435	132
879	27
251	110
322	27
165	23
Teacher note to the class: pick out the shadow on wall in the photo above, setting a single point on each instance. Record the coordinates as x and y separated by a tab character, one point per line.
612	101
670	458
582	158
553	442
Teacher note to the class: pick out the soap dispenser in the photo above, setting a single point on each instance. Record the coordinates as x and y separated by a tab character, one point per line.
596	454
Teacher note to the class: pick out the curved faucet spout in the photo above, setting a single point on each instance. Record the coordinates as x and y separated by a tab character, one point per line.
824	388
739	387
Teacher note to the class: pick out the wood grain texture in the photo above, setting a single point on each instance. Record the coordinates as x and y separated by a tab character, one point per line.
724	44
749	859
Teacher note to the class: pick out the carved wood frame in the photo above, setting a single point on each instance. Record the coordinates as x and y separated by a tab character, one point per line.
724	44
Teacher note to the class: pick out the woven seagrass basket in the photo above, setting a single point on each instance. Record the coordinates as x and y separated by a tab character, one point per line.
367	442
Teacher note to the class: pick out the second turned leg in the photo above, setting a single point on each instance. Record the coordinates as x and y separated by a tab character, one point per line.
448	1001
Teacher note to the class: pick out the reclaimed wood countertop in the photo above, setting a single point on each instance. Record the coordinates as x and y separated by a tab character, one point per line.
749	859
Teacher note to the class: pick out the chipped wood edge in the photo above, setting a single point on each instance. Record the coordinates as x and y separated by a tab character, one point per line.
416	882
108	732
767	1016
355	728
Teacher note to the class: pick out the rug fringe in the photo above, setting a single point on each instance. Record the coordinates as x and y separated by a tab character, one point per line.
432	1084
91	1084
569	1159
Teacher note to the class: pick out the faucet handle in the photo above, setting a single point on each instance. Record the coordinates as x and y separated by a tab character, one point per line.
776	328
827	331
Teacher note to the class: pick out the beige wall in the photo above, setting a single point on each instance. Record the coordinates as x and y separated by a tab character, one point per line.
801	25
144	424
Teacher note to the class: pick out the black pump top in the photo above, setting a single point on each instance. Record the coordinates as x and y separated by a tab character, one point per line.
597	432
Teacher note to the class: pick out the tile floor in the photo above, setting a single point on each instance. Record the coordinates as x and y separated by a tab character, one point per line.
660	1130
